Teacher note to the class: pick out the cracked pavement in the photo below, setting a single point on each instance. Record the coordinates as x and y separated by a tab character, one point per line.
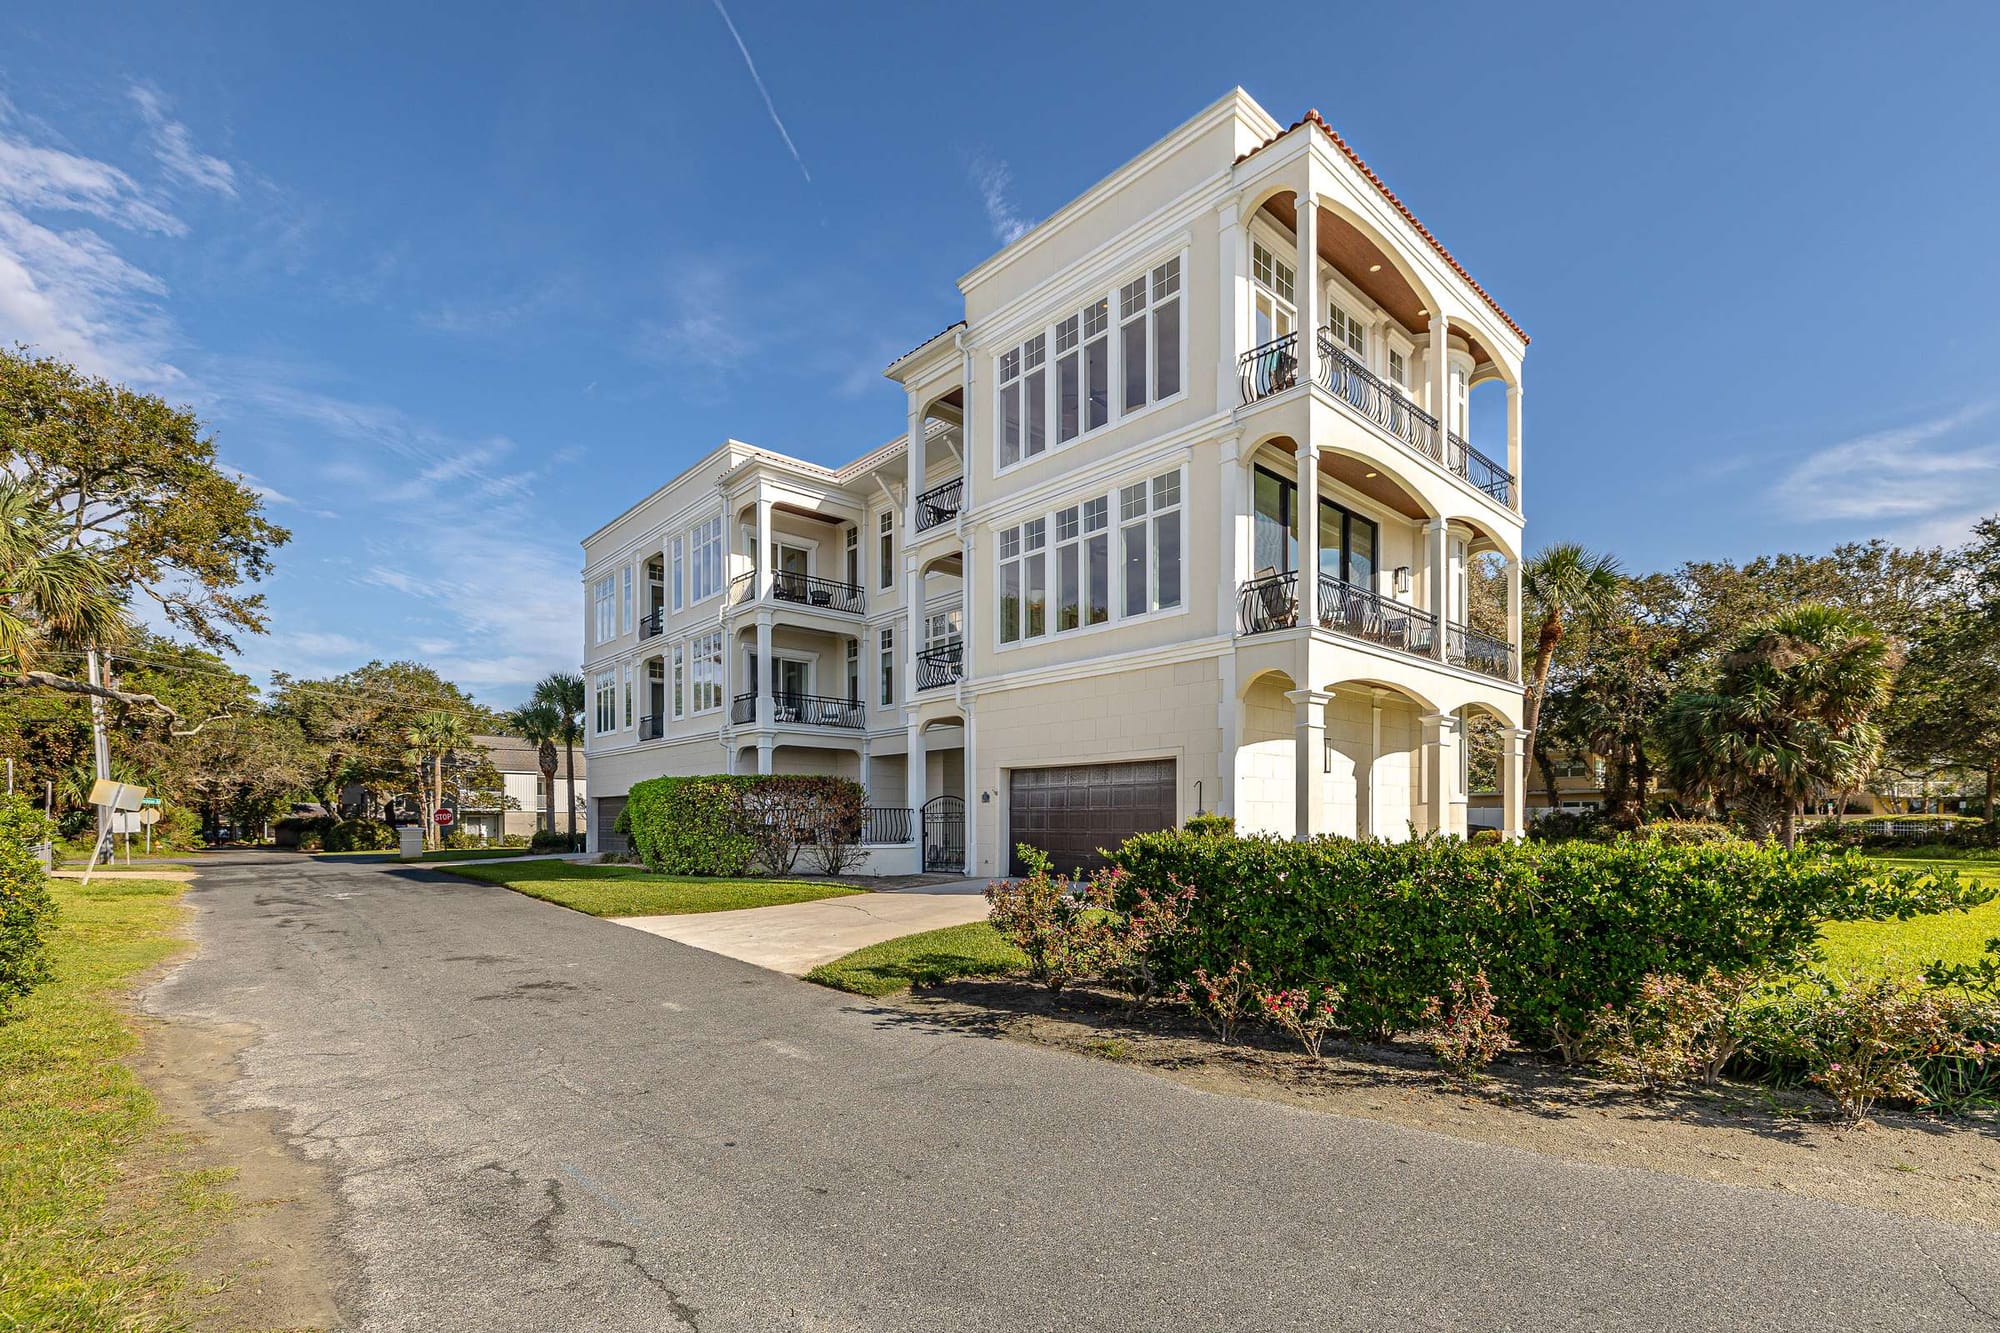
543	1121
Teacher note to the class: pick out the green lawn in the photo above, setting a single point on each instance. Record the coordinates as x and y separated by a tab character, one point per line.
630	891
93	1215
927	959
1855	948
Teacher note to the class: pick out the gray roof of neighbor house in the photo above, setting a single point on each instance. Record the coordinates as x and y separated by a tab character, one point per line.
511	754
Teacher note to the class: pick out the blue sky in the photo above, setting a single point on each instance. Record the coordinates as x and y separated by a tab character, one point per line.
456	283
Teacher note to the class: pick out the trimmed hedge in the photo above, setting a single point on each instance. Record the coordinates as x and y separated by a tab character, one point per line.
1561	930
361	835
27	914
723	824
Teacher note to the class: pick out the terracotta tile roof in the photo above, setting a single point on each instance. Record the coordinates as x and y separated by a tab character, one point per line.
1314	118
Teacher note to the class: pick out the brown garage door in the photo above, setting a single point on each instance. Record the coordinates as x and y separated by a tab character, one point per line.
1071	812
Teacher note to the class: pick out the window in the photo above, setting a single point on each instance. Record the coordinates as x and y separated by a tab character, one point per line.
1024	576
628	698
854	670
1347	541
1399	370
1149	333
1347	330
705	671
853	556
1083	565
705	545
1083	371
941	628
1024	406
885	535
1150	543
676	569
625	604
1275	294
604	604
605	697
886	643
680	680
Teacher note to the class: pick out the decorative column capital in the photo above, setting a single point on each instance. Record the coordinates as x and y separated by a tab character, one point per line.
1310	698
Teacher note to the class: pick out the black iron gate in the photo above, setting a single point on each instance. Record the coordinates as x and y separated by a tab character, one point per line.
944	834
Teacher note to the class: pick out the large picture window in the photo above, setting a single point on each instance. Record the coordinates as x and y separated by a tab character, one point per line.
705	547
1055	574
1059	382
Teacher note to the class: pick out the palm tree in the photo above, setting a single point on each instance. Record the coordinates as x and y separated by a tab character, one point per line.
432	736
563	690
1561	585
540	723
52	596
1790	712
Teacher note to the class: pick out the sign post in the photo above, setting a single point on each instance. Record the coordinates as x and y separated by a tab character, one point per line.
111	798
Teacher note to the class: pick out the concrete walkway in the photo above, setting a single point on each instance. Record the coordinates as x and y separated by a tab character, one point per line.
797	937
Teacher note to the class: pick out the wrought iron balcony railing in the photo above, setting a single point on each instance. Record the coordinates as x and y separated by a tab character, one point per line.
887	824
1479	651
941	665
802	710
743	709
1361	613
1380	402
940	504
652	623
1269	603
652	728
1480	470
821	594
1271	368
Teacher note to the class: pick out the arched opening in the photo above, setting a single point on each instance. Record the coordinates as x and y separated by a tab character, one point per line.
941	460
1374	783
1265	800
941	651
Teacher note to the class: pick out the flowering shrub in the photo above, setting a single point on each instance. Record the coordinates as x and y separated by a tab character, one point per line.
1863	1042
1677	1031
1305	1014
1466	1033
1061	925
1222	998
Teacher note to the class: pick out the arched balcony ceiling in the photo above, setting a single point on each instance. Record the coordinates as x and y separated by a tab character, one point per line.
1359	475
1350	252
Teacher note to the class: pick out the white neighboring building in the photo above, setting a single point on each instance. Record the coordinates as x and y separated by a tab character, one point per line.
1079	599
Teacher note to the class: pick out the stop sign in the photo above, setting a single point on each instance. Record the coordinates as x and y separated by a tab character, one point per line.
442	818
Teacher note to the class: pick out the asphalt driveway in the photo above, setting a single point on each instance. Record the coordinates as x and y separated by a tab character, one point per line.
544	1121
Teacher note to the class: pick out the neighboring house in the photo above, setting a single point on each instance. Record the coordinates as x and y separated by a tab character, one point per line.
522	805
1066	605
1579	790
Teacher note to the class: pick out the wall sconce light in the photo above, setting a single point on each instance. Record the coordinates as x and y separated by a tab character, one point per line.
1402	577
986	798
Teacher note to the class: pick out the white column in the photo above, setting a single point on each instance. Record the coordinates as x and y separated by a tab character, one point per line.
1514	612
1438	544
1514	441
1440	368
862	776
1311	297
915	776
760	680
1368	824
1440	771
764	746
1308	479
1513	777
1308	762
1234	515
1229	715
761	558
973	806
1235	299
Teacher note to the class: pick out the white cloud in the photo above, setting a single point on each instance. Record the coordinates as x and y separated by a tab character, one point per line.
173	146
762	91
1926	481
993	180
699	330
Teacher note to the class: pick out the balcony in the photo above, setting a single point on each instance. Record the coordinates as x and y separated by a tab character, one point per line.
802	710
940	666
1274	367
887	825
1478	651
1272	603
801	590
652	728
940	504
652	623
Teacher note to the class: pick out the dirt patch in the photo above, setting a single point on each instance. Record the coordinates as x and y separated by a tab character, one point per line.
275	1261
1735	1134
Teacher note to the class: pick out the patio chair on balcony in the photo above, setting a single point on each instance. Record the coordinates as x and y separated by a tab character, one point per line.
1277	608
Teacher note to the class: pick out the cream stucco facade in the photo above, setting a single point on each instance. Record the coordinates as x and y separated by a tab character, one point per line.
1187	525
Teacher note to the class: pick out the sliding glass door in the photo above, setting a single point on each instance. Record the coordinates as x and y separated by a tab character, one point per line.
1347	541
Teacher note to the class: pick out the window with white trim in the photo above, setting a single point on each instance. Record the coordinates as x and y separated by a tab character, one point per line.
705	671
1149	517
705	546
628	698
1083	565
677	569
625	604
1276	294
1024	578
854	668
1024	404
605	697
853	556
885	640
1347	331
1399	369
885	537
942	628
1149	335
1083	371
604	607
680	680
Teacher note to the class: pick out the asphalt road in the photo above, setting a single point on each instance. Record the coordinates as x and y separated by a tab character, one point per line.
546	1122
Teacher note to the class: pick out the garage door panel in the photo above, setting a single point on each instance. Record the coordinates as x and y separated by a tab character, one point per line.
1071	811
